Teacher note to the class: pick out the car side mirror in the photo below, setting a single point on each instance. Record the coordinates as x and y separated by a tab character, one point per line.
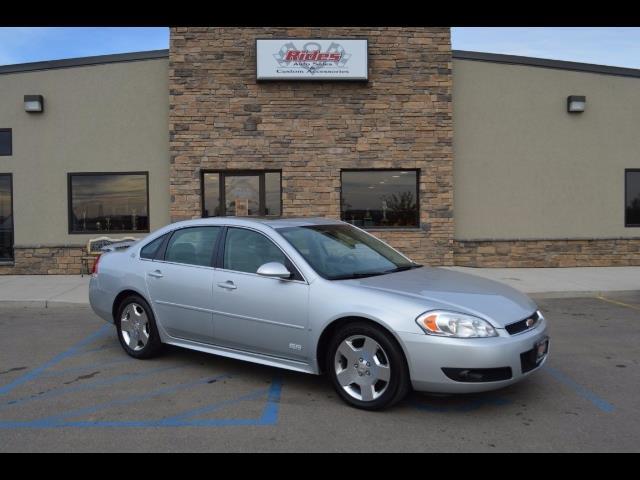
274	270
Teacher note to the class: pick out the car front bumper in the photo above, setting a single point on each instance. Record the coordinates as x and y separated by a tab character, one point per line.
427	355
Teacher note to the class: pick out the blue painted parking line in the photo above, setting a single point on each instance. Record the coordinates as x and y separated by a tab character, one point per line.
269	415
475	403
33	374
87	386
86	367
581	391
59	419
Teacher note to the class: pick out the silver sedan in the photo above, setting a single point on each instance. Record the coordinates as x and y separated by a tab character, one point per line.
318	296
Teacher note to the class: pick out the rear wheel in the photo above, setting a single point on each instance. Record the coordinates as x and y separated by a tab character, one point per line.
137	330
367	367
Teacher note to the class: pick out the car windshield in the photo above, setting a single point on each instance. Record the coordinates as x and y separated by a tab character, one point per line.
339	252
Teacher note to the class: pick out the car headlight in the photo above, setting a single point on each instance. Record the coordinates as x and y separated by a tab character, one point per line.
452	324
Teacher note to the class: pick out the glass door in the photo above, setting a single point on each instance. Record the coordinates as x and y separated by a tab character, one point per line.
241	193
6	218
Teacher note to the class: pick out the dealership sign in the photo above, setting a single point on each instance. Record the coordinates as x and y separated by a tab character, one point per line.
311	59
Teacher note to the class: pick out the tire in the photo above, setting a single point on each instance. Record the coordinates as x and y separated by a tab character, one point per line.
367	366
138	321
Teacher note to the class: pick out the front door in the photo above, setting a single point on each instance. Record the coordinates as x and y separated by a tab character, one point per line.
181	284
256	313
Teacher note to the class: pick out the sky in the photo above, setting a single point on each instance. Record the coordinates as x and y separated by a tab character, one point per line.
607	46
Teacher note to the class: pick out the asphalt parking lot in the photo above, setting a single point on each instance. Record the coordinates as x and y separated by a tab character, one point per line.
66	385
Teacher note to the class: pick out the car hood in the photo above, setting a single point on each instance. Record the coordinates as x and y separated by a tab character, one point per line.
447	289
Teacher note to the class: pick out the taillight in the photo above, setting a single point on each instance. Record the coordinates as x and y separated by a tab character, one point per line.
94	270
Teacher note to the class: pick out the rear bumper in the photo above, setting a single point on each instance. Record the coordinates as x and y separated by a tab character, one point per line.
428	355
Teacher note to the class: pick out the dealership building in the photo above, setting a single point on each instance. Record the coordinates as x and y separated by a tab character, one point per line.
453	157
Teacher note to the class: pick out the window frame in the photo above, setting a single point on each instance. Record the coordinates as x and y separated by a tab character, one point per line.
11	260
239	173
394	169
10	130
70	176
624	211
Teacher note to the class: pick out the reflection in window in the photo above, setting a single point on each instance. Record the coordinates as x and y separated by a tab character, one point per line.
632	210
246	251
5	142
272	193
241	194
211	192
6	218
108	203
380	198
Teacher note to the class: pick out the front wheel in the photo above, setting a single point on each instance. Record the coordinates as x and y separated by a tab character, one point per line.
137	330
367	367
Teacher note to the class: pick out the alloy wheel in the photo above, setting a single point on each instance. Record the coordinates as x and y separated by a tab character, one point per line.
362	368
134	325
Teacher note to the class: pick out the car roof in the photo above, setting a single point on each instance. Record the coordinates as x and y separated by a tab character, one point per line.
280	222
295	221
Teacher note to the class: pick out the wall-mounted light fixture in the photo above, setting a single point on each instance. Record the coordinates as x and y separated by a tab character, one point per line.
576	103
33	103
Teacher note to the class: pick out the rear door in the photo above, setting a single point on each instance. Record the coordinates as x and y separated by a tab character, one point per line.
256	313
180	283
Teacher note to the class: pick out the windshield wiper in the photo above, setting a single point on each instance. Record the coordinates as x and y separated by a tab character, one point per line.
357	275
373	274
403	268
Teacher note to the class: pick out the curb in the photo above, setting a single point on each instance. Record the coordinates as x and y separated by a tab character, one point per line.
40	304
580	294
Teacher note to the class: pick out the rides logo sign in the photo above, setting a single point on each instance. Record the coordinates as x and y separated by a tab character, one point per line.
311	59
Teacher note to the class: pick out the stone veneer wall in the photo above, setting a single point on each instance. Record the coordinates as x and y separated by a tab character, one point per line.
46	261
516	253
548	253
221	118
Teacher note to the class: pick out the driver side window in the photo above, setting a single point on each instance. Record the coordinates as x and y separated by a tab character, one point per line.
246	250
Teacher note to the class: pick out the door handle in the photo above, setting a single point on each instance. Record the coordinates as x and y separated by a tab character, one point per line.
229	285
156	274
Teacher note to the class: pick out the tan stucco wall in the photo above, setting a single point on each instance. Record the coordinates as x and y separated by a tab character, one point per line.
524	168
103	118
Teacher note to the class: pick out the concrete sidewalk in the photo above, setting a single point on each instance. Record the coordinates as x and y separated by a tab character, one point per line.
42	290
562	282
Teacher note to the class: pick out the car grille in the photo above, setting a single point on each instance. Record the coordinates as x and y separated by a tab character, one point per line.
521	326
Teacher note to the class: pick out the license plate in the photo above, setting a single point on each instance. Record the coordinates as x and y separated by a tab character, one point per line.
542	347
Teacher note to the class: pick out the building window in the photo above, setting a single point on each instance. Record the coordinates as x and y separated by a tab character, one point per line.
109	202
380	198
6	218
241	193
6	147
632	200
